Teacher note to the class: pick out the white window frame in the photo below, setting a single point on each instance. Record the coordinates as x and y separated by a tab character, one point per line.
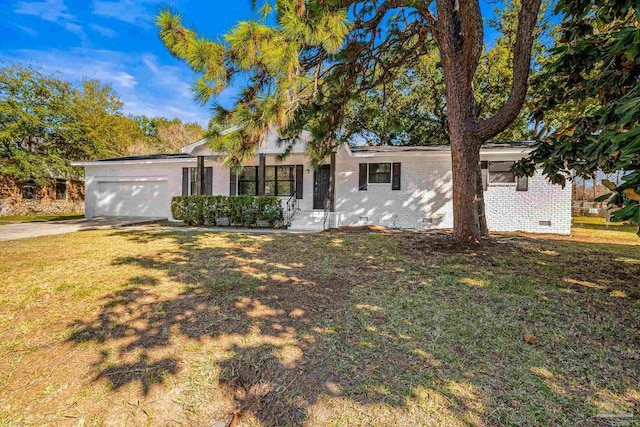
380	163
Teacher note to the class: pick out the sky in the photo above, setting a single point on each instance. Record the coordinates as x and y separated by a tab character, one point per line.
116	42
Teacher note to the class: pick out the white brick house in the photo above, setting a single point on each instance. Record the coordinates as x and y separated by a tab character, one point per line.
404	187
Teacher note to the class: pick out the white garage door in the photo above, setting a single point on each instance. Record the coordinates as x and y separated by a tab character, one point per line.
133	198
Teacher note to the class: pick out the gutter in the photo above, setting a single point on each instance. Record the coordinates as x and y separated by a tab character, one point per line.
133	162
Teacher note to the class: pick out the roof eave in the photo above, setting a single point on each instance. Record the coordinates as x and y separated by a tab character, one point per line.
133	162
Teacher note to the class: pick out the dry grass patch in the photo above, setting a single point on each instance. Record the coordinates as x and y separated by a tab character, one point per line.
337	328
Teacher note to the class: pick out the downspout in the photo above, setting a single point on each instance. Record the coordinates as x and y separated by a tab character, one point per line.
261	174
332	185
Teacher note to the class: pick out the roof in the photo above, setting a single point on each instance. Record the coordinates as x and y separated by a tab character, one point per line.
356	151
436	148
148	157
151	158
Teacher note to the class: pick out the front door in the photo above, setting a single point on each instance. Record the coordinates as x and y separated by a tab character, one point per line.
321	183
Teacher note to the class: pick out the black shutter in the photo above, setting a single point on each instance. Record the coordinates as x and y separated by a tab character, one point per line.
208	181
299	181
395	178
522	183
185	181
362	182
233	186
484	170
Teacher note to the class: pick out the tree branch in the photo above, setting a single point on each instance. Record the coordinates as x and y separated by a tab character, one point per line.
473	34
527	20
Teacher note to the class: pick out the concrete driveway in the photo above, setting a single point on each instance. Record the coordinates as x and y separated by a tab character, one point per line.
35	229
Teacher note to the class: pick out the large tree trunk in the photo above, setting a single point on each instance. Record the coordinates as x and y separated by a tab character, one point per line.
469	224
458	32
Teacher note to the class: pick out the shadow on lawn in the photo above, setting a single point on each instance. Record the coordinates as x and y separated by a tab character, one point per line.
298	317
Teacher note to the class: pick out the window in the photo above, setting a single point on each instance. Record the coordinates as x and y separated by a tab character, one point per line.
379	173
29	190
61	189
278	181
248	181
192	182
501	173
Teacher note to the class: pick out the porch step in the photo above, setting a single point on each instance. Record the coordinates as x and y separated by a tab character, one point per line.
312	221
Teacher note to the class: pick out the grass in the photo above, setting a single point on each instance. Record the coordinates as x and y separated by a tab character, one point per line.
598	223
10	219
337	328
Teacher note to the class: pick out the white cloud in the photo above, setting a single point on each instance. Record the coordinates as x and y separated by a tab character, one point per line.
144	85
81	64
151	62
30	31
140	12
168	76
49	10
104	31
52	11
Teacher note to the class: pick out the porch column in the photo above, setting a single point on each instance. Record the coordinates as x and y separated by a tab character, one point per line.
200	176
332	185
261	174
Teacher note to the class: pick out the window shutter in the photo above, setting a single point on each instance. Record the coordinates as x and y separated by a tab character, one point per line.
395	178
185	181
233	185
208	181
362	183
484	171
299	181
522	183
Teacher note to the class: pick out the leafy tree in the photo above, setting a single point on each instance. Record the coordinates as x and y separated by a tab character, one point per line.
38	132
171	135
411	109
595	70
46	122
302	72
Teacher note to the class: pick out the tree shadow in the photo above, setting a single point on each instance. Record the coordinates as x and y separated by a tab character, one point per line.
296	318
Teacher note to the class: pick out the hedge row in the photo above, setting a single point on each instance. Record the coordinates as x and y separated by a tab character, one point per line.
235	211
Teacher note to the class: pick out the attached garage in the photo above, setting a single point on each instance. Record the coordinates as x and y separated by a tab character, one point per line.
135	186
131	197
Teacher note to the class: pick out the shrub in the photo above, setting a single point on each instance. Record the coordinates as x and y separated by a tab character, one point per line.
243	211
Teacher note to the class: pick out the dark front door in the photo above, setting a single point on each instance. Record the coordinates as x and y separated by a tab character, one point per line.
321	182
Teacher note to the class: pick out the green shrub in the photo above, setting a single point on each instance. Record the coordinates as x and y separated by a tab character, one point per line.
243	211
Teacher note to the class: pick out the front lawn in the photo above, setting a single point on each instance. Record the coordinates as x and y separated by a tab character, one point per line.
337	328
10	219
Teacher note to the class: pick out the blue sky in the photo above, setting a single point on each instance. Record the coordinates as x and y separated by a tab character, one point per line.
115	41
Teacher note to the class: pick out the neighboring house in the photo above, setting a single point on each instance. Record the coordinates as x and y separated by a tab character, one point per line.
404	187
56	195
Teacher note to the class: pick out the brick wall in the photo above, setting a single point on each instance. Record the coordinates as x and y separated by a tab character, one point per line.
425	199
511	210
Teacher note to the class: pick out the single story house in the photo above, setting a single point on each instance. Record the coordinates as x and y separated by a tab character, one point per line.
392	186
